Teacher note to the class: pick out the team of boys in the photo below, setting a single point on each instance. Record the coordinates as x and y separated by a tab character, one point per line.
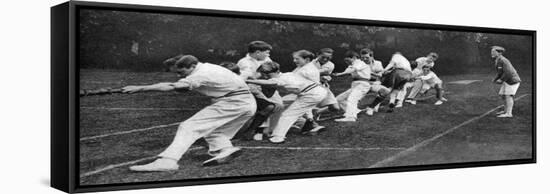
252	88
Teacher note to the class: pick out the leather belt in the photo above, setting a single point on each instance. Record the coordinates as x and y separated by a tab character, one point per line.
235	93
310	87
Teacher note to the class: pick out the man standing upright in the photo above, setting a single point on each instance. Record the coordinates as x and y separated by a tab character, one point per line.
508	78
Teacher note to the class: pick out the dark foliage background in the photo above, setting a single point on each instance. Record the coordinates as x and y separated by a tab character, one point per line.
138	41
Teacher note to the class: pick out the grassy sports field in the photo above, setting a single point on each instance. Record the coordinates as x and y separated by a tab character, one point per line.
120	129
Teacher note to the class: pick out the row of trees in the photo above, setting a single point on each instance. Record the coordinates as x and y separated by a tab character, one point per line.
141	41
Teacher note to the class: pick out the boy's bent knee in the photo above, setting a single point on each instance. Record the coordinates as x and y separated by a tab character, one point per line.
267	110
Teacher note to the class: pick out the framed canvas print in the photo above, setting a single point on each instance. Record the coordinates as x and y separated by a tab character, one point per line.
146	96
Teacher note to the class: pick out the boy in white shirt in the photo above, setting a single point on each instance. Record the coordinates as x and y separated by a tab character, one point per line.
305	68
258	53
309	94
429	80
396	75
361	74
310	68
265	106
232	107
325	65
377	70
427	61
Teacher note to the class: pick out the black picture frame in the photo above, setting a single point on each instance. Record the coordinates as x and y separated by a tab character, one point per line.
65	101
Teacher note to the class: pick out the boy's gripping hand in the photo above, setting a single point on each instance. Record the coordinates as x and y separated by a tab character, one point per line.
100	91
131	89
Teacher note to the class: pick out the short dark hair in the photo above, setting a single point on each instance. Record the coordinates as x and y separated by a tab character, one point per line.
186	61
499	49
365	51
325	50
231	66
414	64
351	54
269	67
305	54
172	60
258	45
434	55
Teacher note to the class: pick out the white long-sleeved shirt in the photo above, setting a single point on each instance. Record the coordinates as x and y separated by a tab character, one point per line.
291	83
398	61
213	80
249	65
423	61
430	78
359	70
376	68
325	69
309	71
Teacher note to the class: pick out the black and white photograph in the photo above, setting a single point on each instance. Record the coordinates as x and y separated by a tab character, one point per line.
274	97
190	95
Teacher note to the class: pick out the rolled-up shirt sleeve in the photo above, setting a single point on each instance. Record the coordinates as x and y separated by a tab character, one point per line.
279	82
348	70
359	66
327	68
378	69
246	71
283	84
430	75
193	82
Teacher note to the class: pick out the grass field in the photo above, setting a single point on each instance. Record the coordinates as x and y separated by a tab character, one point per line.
464	129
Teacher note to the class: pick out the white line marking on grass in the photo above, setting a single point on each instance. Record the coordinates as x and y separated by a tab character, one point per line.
414	148
109	167
464	82
422	98
137	109
113	82
113	166
314	148
128	132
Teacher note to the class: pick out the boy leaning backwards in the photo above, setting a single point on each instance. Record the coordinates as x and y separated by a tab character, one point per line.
217	123
309	94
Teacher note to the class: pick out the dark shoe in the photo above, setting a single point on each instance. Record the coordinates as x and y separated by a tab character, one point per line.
308	125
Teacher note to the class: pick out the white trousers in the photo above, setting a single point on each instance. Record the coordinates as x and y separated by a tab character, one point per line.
417	87
217	123
399	95
304	103
403	92
351	97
